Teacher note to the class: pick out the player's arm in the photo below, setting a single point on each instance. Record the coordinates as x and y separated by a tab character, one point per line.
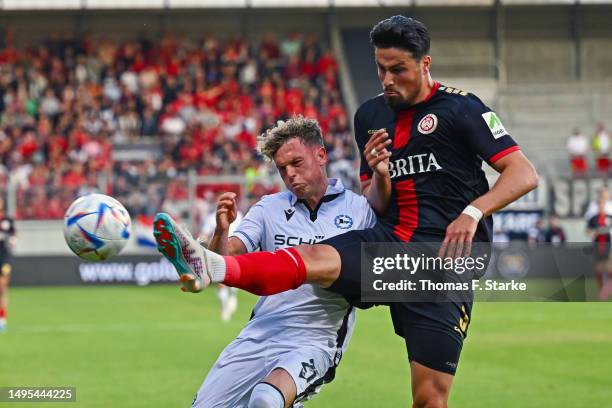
517	177
374	174
486	135
227	211
591	227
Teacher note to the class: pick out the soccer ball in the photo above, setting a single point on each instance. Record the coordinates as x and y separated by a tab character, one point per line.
96	227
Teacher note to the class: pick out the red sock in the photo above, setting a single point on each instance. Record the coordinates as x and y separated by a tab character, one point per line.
266	273
2	313
599	278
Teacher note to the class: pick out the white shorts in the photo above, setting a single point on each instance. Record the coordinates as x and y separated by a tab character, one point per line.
244	363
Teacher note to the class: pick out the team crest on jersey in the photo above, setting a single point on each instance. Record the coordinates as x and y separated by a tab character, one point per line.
428	124
343	221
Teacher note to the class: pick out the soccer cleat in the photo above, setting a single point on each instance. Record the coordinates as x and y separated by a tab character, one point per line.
3	325
184	252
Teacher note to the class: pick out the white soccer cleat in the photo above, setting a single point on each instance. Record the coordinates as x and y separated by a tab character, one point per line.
185	253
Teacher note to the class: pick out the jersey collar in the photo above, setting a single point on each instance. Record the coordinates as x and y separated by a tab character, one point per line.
334	187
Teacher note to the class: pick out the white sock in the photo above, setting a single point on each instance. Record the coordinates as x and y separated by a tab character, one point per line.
265	395
216	266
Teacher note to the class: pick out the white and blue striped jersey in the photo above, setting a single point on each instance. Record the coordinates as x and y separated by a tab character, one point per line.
307	315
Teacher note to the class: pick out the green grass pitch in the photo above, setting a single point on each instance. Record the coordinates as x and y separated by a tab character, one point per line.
152	346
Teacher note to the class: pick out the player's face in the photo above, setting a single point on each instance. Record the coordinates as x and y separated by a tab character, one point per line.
402	77
601	205
301	167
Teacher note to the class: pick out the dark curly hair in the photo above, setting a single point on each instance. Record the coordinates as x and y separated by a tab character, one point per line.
401	32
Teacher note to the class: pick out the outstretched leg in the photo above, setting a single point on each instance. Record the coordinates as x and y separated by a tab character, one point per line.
261	273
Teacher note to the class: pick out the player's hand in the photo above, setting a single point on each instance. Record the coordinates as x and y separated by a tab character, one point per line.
376	152
459	235
227	210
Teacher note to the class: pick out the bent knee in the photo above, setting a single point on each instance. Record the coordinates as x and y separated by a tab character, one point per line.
431	394
322	263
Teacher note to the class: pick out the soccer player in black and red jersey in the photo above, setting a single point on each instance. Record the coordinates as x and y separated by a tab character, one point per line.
422	145
7	238
599	227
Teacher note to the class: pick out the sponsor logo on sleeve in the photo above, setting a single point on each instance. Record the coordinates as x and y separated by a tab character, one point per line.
495	124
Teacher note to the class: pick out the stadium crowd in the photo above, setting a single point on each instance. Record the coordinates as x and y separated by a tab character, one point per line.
68	104
579	148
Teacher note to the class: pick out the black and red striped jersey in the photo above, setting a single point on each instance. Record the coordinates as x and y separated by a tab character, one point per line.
7	230
601	225
437	148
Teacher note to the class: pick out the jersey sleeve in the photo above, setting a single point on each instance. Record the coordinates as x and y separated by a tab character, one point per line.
592	224
485	132
251	229
361	137
366	214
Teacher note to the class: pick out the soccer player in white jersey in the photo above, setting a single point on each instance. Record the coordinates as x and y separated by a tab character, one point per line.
294	340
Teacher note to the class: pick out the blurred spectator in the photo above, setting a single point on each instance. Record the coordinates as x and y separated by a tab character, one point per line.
499	235
601	147
537	234
554	233
198	104
578	148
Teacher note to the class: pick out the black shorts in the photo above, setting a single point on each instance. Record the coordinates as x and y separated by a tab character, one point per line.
434	331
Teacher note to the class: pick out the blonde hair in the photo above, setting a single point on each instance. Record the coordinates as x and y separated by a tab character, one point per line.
307	130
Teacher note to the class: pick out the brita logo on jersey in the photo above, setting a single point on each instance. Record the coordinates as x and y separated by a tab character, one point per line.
419	163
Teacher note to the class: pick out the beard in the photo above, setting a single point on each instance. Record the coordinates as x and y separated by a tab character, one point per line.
400	101
396	101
